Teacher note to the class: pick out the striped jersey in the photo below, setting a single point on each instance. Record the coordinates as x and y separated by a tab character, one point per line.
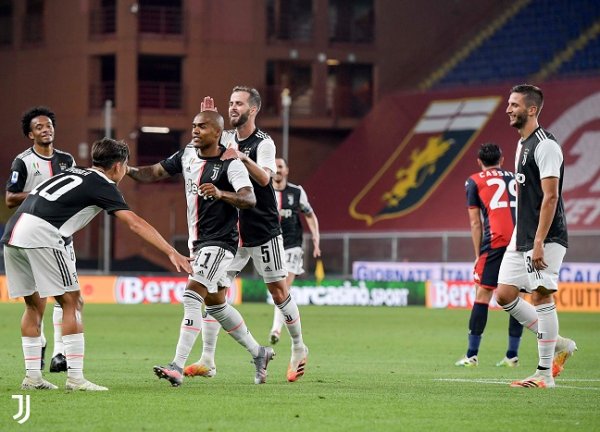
210	222
292	201
538	157
61	206
29	169
260	223
493	192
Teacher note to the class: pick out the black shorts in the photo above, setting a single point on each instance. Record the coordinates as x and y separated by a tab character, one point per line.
487	268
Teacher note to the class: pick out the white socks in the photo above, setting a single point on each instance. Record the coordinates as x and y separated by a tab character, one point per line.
291	316
191	326
210	334
32	352
74	352
277	321
523	312
542	320
547	333
57	315
233	323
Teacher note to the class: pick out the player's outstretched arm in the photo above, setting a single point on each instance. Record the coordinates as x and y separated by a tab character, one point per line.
14	199
147	174
146	231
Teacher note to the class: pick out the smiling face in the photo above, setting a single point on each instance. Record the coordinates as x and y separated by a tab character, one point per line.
519	114
206	130
42	131
239	108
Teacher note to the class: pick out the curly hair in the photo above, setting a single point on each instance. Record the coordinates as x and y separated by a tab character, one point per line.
33	113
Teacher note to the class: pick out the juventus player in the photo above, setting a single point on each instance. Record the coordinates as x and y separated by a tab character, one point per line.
36	164
292	202
491	201
260	231
39	266
214	190
539	241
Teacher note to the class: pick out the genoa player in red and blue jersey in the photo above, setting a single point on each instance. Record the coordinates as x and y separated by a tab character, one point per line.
491	202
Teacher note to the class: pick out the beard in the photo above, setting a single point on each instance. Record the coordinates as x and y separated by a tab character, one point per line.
240	121
520	121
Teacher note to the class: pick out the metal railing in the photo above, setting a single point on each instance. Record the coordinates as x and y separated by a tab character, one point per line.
341	101
161	20
340	249
103	21
159	95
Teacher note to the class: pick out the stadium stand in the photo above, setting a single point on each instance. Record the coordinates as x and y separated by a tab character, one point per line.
526	42
585	59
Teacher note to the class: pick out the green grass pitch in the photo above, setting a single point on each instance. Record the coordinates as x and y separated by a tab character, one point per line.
370	369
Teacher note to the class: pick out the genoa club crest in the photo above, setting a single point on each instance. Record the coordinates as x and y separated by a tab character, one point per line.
423	158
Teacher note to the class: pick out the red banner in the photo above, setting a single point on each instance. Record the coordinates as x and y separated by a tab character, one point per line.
405	166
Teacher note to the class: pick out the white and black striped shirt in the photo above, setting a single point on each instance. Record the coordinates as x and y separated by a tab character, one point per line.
61	206
538	157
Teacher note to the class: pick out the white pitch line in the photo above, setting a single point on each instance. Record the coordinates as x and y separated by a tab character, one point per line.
478	381
580	379
495	381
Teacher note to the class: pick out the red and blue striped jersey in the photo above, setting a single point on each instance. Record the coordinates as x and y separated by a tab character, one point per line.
494	192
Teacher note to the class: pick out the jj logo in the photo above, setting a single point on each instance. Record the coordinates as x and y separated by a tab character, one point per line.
24	408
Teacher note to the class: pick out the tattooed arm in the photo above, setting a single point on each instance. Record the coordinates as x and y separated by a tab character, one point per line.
147	174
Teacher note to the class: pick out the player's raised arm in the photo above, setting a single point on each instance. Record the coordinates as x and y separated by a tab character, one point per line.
208	104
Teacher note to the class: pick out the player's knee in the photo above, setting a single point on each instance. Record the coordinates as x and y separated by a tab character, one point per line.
192	301
483	295
278	291
506	294
542	296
